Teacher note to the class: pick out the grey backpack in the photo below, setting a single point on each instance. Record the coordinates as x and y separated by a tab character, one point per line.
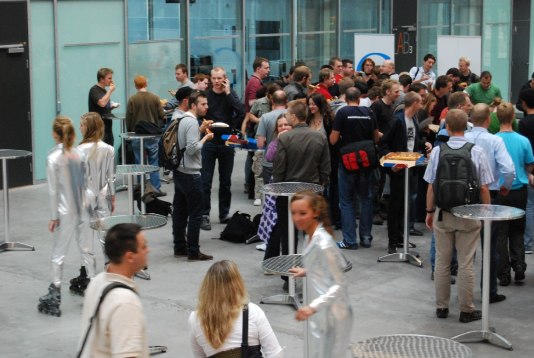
456	181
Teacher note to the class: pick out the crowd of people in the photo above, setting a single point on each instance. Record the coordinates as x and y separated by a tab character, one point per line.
302	129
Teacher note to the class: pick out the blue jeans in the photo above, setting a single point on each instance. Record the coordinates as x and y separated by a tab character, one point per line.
225	155
348	185
529	226
151	149
187	204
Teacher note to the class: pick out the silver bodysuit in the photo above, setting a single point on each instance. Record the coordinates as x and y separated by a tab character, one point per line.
66	172
100	184
327	294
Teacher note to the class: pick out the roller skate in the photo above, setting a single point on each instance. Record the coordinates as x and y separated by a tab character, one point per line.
79	284
50	302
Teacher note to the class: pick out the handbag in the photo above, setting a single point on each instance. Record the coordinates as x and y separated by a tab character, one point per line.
245	351
147	127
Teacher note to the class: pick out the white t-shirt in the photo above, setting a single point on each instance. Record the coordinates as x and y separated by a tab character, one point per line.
410	133
119	330
259	333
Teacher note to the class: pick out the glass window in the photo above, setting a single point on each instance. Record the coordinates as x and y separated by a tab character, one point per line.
155	44
316	33
386	16
496	43
467	17
216	39
268	24
365	22
434	20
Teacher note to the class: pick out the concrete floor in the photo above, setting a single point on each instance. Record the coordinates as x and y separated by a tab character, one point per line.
387	298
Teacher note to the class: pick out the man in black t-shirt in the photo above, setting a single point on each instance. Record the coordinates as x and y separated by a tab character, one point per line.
99	101
354	124
526	128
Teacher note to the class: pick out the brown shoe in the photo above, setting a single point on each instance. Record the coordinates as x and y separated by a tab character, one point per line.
199	257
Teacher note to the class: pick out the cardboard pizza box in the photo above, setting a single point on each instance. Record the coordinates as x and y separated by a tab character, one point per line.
389	163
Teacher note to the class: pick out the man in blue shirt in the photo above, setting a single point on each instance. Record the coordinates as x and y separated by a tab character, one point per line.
511	246
452	232
501	163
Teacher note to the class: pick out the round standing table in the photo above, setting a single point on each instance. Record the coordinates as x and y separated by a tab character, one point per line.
410	345
130	170
290	189
120	117
5	155
142	138
147	222
487	213
406	255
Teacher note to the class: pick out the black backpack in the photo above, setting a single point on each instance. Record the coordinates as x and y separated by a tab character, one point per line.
239	229
456	181
170	155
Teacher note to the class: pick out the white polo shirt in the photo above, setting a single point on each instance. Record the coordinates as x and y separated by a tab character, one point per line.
119	330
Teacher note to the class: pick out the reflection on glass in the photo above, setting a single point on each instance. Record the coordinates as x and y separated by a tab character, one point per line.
434	20
216	39
154	44
268	17
365	22
467	17
316	33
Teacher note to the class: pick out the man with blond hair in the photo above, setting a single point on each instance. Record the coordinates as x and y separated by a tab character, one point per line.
145	106
511	246
466	76
388	67
501	165
453	232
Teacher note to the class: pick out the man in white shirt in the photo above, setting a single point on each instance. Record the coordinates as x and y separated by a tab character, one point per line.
119	330
424	74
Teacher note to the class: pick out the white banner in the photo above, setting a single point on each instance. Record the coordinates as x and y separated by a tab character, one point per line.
377	47
451	48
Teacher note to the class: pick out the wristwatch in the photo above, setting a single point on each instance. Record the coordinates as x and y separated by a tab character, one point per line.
431	211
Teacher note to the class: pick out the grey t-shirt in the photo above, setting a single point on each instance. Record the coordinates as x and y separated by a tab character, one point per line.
266	129
410	133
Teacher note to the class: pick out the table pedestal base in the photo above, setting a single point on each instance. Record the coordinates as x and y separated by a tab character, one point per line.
121	187
14	245
294	300
142	274
410	257
484	336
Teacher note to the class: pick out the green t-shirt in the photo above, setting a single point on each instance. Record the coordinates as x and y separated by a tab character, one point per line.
495	126
481	95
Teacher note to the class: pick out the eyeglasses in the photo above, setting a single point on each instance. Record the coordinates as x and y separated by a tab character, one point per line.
368	65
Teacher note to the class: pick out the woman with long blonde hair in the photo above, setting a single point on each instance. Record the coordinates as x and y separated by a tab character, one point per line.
216	327
328	305
100	190
66	186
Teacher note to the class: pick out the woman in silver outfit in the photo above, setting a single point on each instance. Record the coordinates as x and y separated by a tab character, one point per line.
100	190
66	185
328	309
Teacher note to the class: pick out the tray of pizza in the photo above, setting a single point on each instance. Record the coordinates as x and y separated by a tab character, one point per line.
401	159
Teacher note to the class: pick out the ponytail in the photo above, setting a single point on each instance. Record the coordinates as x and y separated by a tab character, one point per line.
64	128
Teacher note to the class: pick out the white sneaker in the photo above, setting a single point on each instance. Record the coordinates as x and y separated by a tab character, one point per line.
257	202
528	252
261	247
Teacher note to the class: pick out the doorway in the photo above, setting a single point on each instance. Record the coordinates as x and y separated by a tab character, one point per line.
15	111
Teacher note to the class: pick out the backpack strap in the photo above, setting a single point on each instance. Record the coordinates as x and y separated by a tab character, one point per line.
244	338
416	72
104	293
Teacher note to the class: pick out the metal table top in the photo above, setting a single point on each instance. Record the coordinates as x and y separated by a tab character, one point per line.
133	169
118	116
147	222
14	153
488	212
410	346
133	135
289	189
280	265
